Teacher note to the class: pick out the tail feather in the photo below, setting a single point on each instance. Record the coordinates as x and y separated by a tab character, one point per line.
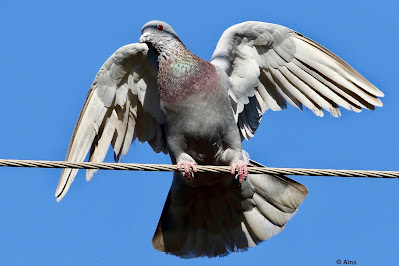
226	217
271	213
259	227
278	191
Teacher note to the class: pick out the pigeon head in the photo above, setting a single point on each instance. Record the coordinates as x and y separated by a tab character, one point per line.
159	35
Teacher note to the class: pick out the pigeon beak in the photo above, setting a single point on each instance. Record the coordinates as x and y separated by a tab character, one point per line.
144	37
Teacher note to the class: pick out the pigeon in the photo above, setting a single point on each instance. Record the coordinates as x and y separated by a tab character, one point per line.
199	113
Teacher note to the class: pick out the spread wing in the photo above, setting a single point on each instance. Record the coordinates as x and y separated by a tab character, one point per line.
122	105
270	65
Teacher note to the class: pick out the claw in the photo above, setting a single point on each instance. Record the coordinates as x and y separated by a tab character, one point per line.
189	168
242	170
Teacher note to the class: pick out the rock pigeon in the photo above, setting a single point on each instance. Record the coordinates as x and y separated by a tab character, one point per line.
199	113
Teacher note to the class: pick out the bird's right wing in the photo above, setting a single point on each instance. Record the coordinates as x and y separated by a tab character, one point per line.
122	104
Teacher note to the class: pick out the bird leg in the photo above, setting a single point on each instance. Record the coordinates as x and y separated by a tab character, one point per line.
189	168
242	170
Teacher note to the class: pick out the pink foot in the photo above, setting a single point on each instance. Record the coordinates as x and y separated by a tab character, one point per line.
188	172
242	170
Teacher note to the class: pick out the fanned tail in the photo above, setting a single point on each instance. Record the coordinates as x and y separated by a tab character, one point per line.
216	220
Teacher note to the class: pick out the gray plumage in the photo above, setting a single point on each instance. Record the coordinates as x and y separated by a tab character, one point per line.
199	112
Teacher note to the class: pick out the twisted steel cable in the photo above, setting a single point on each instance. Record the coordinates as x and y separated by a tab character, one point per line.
201	168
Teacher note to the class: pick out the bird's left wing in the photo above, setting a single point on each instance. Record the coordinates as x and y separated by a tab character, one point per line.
122	104
270	65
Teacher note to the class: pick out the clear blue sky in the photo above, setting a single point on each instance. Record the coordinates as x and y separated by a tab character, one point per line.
50	53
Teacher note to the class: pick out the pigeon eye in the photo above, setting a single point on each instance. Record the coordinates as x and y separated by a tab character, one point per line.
160	27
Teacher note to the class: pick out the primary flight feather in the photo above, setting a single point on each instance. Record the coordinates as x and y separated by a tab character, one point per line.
199	112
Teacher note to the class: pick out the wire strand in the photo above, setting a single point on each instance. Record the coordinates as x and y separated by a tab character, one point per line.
201	168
